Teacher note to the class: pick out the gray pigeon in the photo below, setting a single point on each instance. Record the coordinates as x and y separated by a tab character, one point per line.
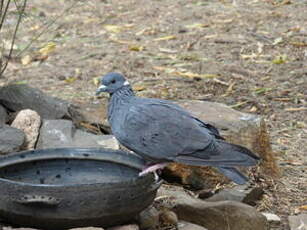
162	132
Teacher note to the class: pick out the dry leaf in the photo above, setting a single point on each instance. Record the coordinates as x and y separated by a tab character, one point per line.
197	25
303	207
195	75
165	38
70	79
96	81
280	59
26	60
47	49
136	48
113	28
139	87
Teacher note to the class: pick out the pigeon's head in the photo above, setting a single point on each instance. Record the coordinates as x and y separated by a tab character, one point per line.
111	82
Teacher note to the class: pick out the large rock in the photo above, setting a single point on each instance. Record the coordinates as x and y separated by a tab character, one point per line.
183	225
17	97
62	133
298	222
125	227
29	122
223	215
3	115
11	139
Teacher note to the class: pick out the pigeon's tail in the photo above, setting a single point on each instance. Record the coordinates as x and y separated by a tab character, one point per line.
233	174
225	157
220	154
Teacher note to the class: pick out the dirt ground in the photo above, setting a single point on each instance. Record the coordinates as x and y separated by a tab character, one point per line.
248	54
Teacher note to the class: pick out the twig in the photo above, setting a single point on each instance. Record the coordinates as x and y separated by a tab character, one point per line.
5	12
14	35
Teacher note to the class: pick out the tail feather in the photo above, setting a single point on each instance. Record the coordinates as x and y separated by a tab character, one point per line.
220	154
233	174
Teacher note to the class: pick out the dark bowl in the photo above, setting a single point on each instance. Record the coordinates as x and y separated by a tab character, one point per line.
73	187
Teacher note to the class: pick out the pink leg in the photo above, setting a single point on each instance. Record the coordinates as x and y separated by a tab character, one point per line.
153	168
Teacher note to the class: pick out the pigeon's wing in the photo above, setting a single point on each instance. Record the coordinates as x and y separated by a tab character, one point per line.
211	129
161	132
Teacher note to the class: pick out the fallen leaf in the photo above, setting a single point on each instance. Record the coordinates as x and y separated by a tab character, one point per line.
139	87
113	28
296	109
136	48
165	38
70	79
195	75
197	25
47	49
303	207
26	60
280	59
96	81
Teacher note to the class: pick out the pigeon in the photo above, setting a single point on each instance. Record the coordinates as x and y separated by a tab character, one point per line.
162	132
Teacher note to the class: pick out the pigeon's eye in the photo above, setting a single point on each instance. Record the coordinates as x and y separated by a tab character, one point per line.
113	81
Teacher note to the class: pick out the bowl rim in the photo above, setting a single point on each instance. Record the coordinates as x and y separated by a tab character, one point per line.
75	153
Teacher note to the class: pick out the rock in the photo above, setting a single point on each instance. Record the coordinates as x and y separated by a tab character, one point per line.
183	225
3	115
125	227
240	193
11	139
62	133
167	218
17	97
29	122
240	128
222	215
271	217
148	218
55	133
298	222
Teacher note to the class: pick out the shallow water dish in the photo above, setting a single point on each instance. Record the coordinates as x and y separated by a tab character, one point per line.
73	187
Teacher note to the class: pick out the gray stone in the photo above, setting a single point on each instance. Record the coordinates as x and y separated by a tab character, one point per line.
11	139
168	218
298	222
3	115
222	215
148	218
17	97
125	227
29	122
55	133
271	217
183	225
240	193
62	133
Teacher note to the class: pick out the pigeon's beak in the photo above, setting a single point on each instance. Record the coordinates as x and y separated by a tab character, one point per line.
102	88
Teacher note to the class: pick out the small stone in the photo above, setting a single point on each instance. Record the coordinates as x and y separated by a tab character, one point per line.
29	122
298	222
11	139
168	218
240	193
271	217
149	218
125	227
183	225
3	115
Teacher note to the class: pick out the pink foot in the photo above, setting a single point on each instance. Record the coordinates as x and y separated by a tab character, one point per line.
152	168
